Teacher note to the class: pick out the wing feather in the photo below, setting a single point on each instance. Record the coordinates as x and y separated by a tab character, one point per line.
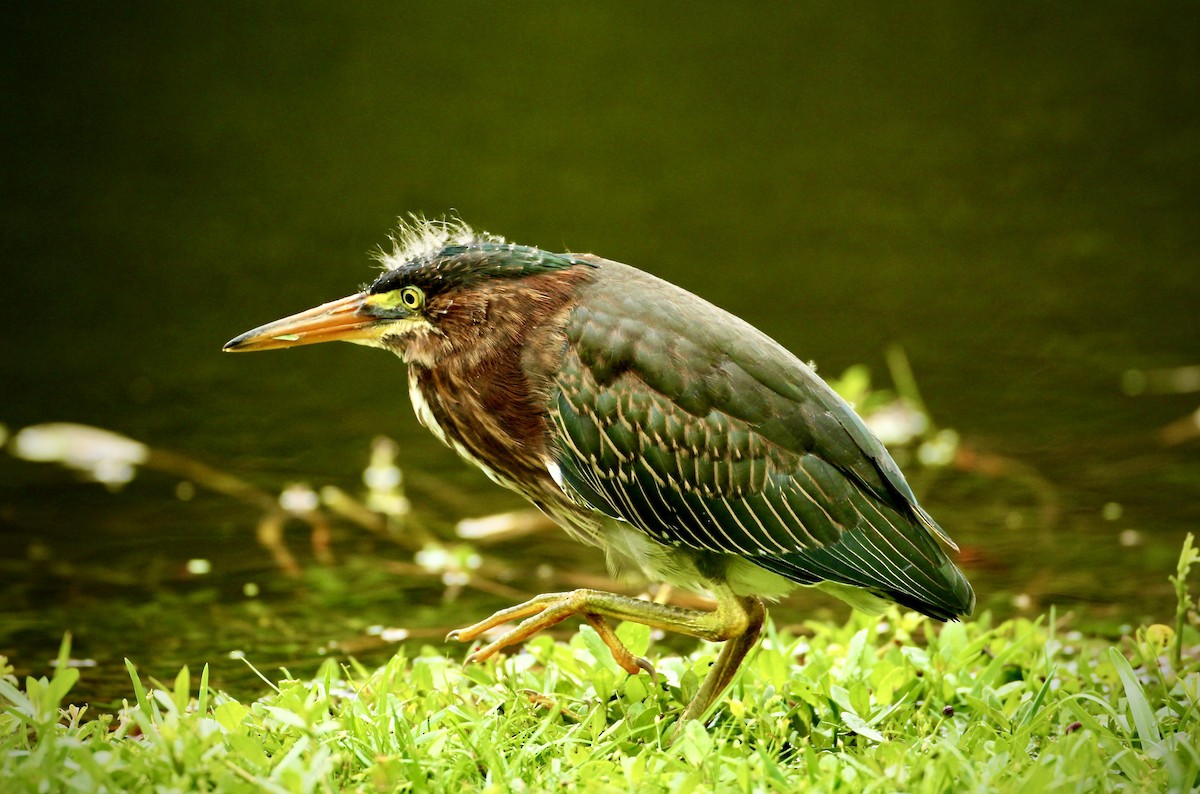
704	433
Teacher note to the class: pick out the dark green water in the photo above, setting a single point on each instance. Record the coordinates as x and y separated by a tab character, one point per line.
1011	193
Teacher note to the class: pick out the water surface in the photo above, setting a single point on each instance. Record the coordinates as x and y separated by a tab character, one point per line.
1008	193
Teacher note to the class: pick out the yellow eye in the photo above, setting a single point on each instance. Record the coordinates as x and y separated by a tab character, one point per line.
412	298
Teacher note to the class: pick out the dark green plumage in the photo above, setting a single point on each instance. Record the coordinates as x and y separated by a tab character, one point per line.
467	265
697	428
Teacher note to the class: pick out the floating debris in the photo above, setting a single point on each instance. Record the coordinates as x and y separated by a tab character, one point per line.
299	499
897	423
100	455
199	567
504	526
385	481
939	450
1130	538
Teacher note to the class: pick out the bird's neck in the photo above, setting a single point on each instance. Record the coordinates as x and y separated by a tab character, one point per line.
485	394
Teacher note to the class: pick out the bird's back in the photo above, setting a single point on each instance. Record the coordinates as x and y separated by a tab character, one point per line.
687	422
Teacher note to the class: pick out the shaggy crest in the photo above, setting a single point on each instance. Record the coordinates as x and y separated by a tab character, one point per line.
447	251
419	237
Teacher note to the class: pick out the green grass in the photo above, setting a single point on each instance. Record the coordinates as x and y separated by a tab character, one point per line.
891	704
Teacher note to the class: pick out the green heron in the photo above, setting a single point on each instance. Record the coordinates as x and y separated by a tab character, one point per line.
686	443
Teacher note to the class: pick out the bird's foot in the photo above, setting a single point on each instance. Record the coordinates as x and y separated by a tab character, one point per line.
548	610
737	621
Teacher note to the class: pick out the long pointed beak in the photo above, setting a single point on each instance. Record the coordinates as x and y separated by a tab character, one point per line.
349	319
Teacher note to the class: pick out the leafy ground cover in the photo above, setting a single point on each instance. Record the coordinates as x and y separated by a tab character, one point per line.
877	704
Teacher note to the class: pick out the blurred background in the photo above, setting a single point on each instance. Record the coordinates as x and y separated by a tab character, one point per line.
1008	194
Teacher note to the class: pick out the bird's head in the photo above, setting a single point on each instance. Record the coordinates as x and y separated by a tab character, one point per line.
444	286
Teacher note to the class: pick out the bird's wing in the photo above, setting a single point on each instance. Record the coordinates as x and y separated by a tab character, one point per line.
703	432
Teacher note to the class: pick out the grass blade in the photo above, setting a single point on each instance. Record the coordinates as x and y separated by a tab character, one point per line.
1143	715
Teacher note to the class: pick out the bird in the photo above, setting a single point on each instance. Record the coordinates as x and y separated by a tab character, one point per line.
691	447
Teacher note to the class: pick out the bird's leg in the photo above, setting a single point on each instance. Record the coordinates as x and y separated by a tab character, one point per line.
727	664
737	619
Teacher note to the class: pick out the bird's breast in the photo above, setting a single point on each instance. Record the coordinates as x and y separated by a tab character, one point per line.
429	419
464	416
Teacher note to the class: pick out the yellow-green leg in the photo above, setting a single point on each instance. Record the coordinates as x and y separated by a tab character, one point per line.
725	668
737	621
